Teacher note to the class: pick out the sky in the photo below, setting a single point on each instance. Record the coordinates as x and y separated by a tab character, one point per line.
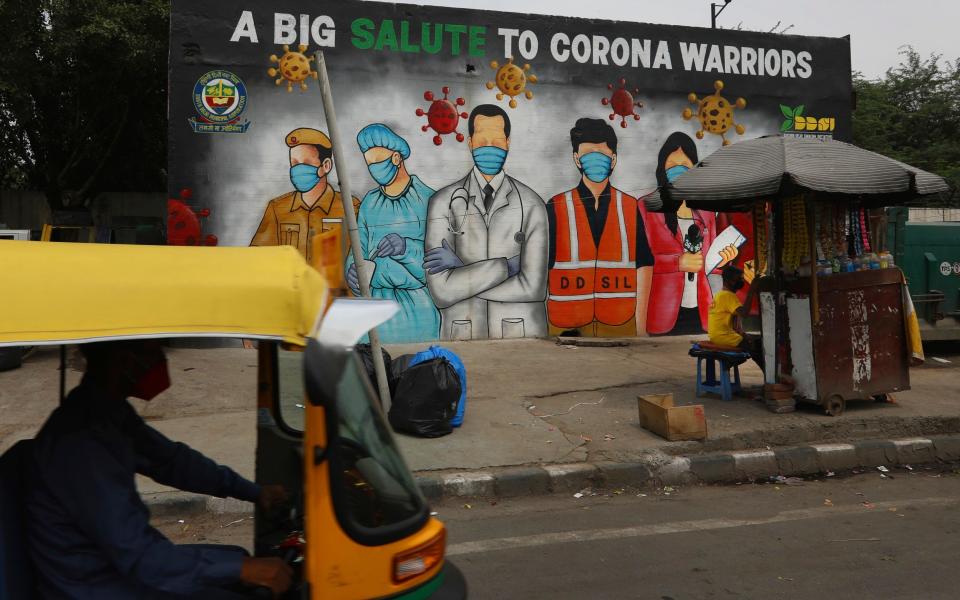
878	29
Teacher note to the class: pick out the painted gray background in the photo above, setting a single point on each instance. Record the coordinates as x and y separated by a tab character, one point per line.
235	174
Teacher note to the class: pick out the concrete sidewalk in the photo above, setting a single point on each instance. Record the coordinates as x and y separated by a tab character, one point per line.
538	402
530	402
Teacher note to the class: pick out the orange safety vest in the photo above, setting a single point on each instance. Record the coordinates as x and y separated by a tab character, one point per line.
588	283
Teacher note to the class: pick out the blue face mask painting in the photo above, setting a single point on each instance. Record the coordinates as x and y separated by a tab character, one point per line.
383	172
304	177
676	171
596	166
489	159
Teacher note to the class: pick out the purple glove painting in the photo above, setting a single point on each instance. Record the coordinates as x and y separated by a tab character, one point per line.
438	260
392	244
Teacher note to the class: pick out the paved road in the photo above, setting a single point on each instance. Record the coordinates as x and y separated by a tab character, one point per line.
858	537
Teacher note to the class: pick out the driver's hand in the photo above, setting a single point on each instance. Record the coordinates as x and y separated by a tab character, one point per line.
270	573
272	495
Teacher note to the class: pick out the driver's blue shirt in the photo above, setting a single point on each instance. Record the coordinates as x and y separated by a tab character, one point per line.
89	530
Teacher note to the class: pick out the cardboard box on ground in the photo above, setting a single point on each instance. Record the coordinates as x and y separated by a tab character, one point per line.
659	415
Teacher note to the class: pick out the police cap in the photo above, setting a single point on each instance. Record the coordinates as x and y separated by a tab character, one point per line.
305	135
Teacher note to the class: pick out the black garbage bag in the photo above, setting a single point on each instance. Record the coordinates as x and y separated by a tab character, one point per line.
426	399
366	357
398	365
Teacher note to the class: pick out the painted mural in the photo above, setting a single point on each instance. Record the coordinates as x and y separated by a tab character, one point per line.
392	224
313	205
487	242
502	164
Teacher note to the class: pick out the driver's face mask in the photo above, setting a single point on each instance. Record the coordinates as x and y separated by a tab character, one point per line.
152	379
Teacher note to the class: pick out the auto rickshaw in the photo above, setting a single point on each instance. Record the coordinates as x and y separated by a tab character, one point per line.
359	526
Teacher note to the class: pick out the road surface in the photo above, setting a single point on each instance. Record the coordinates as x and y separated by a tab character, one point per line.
858	537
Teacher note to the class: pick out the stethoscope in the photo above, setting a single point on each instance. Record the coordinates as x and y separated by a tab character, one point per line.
463	195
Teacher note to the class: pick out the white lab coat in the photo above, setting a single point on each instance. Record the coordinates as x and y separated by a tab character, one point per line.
478	300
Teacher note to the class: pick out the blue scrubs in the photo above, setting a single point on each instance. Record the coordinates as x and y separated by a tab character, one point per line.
400	278
88	529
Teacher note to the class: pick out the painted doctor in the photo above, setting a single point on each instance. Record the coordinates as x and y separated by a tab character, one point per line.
486	241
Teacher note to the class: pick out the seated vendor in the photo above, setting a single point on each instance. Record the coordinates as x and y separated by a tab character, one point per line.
726	312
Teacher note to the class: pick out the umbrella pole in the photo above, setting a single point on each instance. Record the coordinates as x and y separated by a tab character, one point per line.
776	231
814	280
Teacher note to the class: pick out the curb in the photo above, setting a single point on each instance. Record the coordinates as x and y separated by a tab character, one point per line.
721	467
179	504
657	470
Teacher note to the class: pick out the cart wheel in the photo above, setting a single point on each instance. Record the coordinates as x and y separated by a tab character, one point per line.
881	398
835	405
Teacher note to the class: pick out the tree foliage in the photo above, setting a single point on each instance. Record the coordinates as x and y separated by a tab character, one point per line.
83	96
912	114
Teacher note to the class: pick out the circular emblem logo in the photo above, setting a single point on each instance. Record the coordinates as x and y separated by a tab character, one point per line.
945	268
956	268
219	97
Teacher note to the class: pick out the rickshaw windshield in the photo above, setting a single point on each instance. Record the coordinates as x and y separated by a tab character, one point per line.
374	494
382	487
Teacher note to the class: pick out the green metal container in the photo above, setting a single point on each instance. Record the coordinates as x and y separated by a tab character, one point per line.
929	255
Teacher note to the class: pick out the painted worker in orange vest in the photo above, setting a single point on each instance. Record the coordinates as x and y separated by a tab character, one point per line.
599	259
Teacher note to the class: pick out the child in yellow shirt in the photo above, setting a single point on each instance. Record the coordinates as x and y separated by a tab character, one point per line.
723	324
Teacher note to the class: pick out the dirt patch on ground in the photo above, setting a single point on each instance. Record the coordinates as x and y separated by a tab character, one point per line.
234	529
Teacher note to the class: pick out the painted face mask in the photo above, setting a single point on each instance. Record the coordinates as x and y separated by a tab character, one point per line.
489	159
154	381
383	172
676	171
596	166
304	177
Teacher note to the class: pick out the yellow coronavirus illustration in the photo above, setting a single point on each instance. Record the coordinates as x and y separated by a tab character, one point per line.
511	81
292	67
715	113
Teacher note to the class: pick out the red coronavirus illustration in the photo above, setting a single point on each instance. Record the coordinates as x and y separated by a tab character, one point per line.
443	115
183	223
622	102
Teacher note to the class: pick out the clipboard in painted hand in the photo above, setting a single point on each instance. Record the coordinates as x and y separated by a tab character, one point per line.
730	236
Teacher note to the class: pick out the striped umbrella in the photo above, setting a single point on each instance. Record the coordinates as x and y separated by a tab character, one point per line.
774	166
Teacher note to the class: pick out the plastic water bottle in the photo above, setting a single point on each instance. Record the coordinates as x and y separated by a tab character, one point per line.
886	260
823	268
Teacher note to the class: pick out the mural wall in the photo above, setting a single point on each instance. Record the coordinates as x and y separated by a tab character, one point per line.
500	161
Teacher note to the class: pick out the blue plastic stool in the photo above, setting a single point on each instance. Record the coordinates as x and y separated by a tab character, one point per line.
728	359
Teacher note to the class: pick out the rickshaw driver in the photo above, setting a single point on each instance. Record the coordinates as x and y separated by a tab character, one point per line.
88	529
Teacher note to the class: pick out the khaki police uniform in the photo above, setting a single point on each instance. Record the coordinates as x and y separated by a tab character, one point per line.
289	221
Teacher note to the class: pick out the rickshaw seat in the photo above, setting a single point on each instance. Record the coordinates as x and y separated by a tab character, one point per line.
16	570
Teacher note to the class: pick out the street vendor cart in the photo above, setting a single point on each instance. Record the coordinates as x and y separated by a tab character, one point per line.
837	323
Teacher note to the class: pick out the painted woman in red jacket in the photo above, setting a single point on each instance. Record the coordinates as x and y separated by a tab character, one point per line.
679	237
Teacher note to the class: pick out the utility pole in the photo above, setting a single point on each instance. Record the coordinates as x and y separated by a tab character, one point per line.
715	10
351	222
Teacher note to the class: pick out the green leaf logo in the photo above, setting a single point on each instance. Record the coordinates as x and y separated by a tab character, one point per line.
798	111
786	125
787	111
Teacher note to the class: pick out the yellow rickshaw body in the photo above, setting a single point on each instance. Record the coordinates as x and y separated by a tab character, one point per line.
58	292
66	293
